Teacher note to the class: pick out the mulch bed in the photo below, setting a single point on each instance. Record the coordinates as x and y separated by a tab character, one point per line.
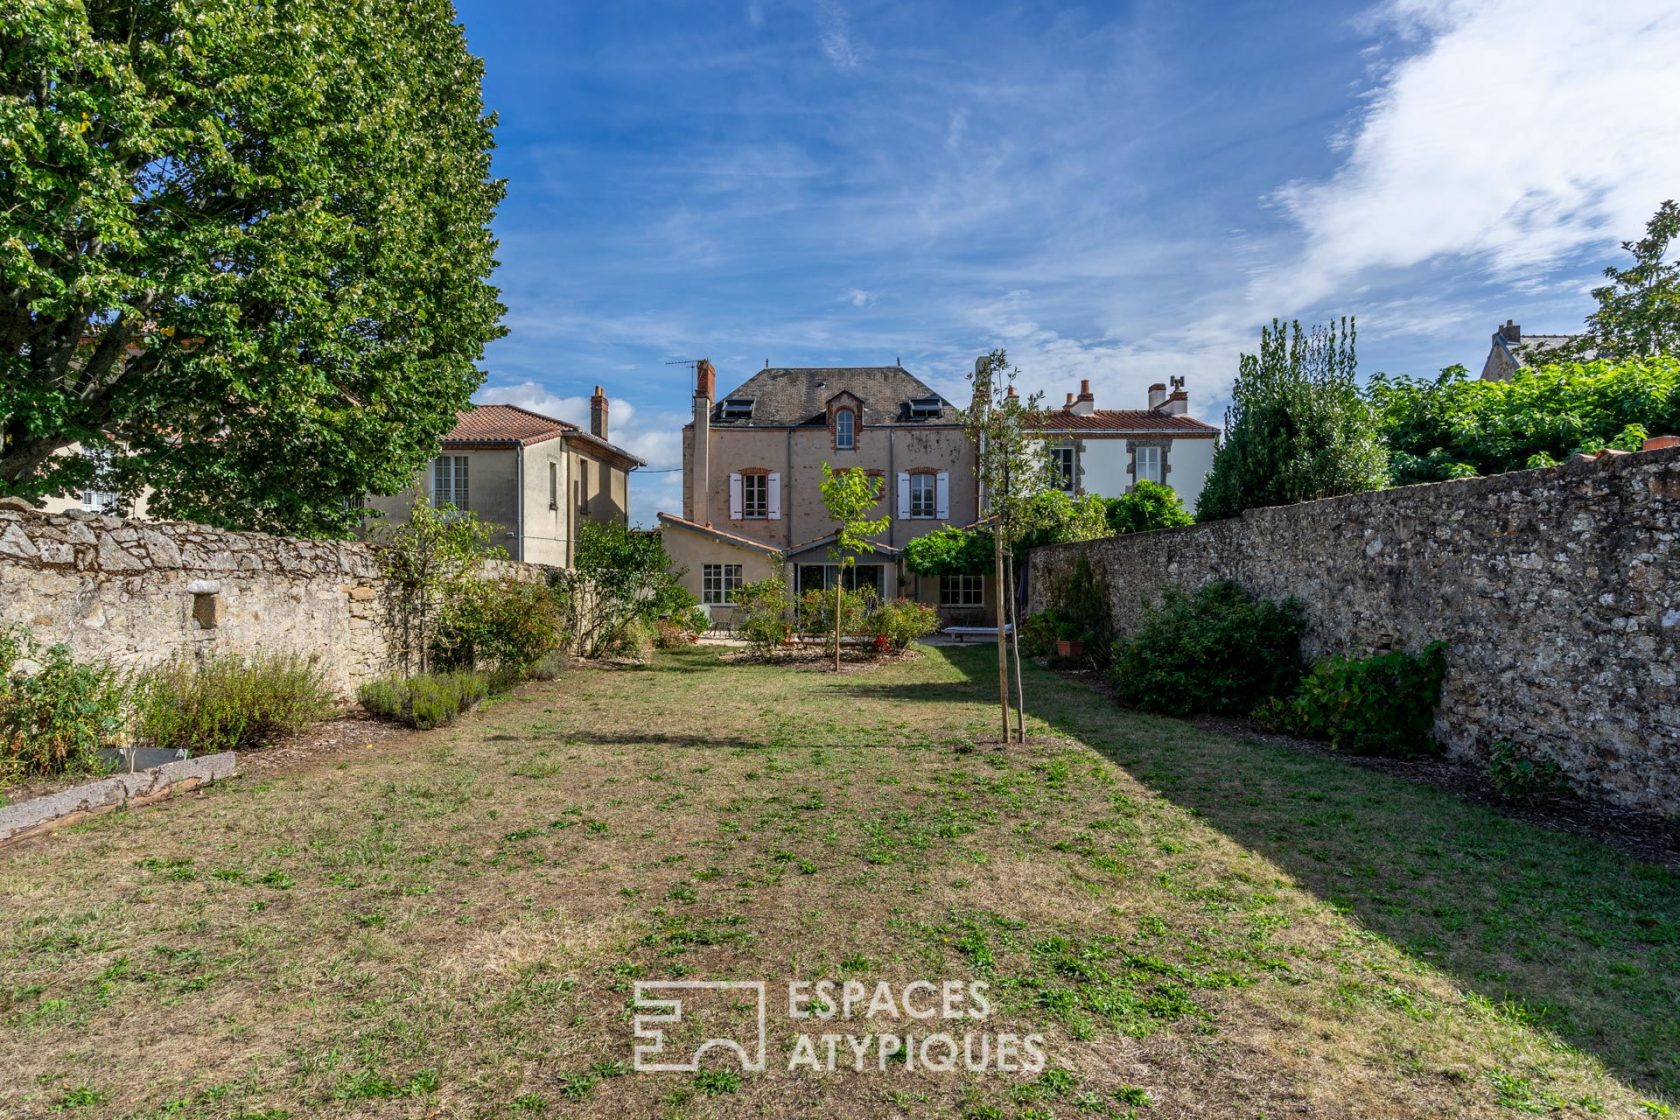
1642	835
346	734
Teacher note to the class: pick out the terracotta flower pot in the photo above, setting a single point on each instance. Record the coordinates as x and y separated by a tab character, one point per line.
1657	443
1071	648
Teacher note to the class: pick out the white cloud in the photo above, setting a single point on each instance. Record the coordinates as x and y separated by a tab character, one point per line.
836	35
857	297
1514	133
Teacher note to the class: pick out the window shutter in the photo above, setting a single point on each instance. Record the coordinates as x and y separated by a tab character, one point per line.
903	494
735	495
942	496
773	496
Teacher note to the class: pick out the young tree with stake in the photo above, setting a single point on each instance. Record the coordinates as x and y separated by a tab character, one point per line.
1012	466
849	495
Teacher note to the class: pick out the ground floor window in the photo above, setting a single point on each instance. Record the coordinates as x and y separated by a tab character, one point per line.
812	577
962	591
718	582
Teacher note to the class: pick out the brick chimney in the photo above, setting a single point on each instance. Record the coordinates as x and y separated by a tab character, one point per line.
1157	395
598	414
700	473
1084	404
1512	332
1068	407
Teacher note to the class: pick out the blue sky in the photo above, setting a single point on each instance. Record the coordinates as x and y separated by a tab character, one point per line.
1122	192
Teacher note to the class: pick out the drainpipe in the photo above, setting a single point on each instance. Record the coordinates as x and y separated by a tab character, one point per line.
519	503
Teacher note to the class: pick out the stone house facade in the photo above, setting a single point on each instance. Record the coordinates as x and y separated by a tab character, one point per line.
752	472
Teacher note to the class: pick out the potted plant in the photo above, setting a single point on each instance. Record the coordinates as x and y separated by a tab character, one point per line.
1070	641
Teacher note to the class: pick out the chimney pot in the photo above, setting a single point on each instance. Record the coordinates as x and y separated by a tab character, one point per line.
1070	400
1512	331
1157	395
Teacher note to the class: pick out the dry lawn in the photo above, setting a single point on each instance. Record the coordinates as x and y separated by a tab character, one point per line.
450	924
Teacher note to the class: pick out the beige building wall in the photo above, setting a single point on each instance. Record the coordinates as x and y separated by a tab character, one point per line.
547	522
491	489
690	550
798	454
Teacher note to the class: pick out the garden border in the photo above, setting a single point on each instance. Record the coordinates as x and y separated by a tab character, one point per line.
54	810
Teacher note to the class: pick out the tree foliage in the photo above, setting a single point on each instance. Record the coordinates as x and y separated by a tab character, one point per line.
431	564
1013	462
620	578
1298	428
1054	518
1456	426
1638	314
950	551
245	250
1146	506
850	496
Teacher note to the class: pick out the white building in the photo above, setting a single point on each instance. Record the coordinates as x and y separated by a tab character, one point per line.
1105	451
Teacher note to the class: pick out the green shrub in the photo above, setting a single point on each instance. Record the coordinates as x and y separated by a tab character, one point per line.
54	712
227	701
503	623
1040	631
761	614
898	622
1145	507
1523	774
1218	649
548	666
427	701
814	611
1382	705
631	641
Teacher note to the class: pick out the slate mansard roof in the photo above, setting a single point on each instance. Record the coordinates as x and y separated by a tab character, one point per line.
785	398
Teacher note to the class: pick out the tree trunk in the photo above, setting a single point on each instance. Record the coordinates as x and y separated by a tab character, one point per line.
1015	650
839	584
1002	652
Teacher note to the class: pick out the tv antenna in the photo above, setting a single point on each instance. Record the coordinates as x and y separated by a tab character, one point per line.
693	365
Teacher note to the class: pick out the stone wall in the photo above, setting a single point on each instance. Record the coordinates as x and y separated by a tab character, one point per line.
139	593
1558	591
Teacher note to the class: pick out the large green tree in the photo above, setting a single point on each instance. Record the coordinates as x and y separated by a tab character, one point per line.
1297	428
244	249
1638	314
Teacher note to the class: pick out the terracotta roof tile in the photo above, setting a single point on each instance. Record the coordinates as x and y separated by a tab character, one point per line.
504	424
1126	420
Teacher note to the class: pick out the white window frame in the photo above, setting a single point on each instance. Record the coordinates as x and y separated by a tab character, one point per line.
1062	458
924	499
962	591
755	497
95	500
719	582
450	482
1151	454
845	430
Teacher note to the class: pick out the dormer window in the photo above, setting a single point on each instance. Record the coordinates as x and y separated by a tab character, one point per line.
845	434
926	408
736	409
